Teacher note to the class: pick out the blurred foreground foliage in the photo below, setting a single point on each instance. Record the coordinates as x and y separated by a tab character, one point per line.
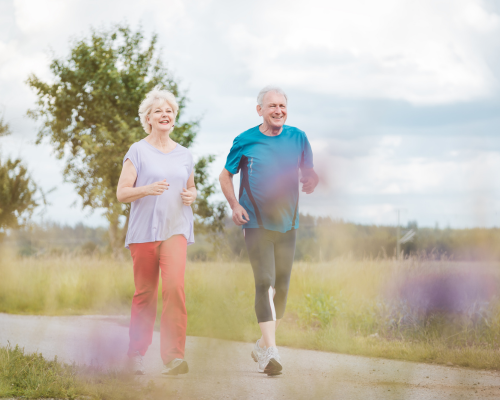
318	240
416	309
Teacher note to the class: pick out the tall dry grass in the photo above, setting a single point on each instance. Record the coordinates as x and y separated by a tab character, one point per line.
348	306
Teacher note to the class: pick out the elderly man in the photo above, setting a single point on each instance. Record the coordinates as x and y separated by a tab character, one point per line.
269	156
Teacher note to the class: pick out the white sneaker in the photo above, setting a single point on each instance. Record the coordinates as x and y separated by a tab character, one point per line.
136	364
257	350
175	367
270	362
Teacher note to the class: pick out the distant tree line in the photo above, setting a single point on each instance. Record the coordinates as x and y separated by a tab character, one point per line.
318	239
53	239
324	239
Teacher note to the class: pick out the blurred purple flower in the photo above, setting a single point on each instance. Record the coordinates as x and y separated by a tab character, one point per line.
446	292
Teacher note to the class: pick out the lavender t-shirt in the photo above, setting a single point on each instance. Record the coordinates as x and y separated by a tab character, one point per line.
155	218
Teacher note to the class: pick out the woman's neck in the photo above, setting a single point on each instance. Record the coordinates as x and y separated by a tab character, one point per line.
161	140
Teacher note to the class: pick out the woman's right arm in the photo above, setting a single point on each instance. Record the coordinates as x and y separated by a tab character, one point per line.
127	193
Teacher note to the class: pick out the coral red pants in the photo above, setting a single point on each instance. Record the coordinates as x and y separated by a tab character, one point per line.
150	259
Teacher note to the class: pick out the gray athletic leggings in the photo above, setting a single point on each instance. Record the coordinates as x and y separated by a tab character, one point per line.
271	255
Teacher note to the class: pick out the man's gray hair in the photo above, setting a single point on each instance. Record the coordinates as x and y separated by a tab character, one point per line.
268	89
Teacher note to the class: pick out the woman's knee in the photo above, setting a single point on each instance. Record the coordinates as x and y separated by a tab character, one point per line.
172	288
145	296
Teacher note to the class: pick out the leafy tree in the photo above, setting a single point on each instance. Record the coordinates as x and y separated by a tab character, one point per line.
17	190
90	116
4	128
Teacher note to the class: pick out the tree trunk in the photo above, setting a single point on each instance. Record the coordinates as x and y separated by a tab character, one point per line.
117	234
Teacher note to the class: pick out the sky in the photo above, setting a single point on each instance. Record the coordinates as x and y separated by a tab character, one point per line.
400	99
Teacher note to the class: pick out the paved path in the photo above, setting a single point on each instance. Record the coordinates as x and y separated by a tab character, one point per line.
224	370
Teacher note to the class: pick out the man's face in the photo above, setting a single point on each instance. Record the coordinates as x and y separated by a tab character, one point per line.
273	109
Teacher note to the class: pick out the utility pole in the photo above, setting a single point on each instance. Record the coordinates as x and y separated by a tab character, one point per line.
398	245
398	234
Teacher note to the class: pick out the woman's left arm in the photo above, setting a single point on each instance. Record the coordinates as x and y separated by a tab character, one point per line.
189	194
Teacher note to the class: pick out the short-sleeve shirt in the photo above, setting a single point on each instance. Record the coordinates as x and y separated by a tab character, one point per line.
269	178
157	218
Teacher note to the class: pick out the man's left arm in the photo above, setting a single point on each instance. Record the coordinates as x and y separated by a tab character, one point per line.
309	180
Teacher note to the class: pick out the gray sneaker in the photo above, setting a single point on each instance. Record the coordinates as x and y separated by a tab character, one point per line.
136	366
175	367
257	350
270	362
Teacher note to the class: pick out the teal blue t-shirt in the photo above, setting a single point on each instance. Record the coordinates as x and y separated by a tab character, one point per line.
269	178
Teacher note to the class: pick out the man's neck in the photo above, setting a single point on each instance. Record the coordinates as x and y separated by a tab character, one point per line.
270	131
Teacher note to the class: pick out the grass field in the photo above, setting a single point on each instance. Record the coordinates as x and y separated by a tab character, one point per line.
417	310
30	375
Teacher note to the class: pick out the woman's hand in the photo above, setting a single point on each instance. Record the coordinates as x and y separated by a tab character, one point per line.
188	196
157	188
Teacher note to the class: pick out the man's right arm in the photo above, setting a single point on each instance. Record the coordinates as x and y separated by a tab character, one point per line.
240	216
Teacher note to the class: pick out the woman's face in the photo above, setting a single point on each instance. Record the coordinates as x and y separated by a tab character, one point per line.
161	118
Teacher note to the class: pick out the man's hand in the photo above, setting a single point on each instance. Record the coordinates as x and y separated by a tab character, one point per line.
240	216
309	181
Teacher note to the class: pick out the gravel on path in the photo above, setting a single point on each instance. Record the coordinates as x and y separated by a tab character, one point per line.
222	369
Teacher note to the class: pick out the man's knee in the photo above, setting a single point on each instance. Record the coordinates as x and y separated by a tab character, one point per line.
282	286
262	287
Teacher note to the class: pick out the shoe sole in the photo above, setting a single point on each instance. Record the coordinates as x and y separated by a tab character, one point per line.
182	368
273	368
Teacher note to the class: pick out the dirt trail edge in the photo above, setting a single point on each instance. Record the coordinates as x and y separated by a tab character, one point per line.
222	369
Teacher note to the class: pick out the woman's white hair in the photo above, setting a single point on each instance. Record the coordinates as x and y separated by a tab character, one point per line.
267	89
154	96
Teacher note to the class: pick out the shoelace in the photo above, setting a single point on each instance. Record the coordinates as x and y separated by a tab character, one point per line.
273	353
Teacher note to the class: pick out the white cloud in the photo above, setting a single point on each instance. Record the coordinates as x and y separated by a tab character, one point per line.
424	52
336	58
34	17
386	172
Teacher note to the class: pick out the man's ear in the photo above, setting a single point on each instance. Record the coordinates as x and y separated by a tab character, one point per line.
259	110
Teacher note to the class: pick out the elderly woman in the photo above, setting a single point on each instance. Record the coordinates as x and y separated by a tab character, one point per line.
269	157
158	179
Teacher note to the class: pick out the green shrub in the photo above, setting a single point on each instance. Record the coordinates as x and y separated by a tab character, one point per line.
318	309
